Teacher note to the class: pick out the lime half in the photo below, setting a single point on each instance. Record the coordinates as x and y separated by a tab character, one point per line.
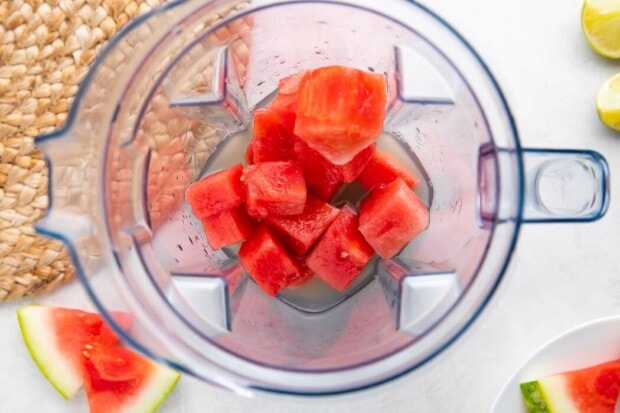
608	102
600	20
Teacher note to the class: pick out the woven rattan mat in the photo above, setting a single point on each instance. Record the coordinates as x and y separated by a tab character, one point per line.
45	50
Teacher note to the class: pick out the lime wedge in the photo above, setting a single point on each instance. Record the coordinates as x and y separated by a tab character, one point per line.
600	20
608	102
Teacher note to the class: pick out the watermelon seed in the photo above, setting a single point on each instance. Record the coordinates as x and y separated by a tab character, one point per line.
344	254
88	347
86	354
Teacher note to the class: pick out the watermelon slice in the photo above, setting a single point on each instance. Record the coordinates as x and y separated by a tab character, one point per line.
300	232
274	188
383	168
340	111
271	141
72	347
228	227
268	263
216	193
342	252
593	389
391	216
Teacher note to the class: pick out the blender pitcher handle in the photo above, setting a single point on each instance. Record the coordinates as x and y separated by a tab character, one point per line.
564	185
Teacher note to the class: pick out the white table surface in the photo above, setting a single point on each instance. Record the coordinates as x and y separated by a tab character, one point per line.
560	276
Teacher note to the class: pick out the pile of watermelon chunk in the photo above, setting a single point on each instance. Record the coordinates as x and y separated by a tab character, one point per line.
317	135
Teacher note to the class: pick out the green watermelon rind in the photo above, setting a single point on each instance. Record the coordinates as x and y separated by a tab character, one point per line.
39	337
549	394
534	397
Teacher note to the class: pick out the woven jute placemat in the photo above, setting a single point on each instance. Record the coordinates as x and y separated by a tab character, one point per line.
46	48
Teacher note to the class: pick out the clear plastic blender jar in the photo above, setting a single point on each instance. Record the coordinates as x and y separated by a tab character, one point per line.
171	99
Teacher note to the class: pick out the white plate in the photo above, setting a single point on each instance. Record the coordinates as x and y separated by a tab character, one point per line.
587	345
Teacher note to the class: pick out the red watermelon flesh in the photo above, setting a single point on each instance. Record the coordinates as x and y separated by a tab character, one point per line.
340	111
121	381
85	329
322	178
383	168
216	193
288	89
124	321
304	274
114	363
267	262
342	252
596	387
249	154
352	169
285	103
271	141
111	377
274	188
228	227
391	216
298	233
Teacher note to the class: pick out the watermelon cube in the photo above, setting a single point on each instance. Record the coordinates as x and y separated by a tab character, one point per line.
267	262
352	169
391	216
270	142
322	178
285	103
342	252
228	227
383	168
274	188
340	111
249	154
304	274
300	232
288	90
216	193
